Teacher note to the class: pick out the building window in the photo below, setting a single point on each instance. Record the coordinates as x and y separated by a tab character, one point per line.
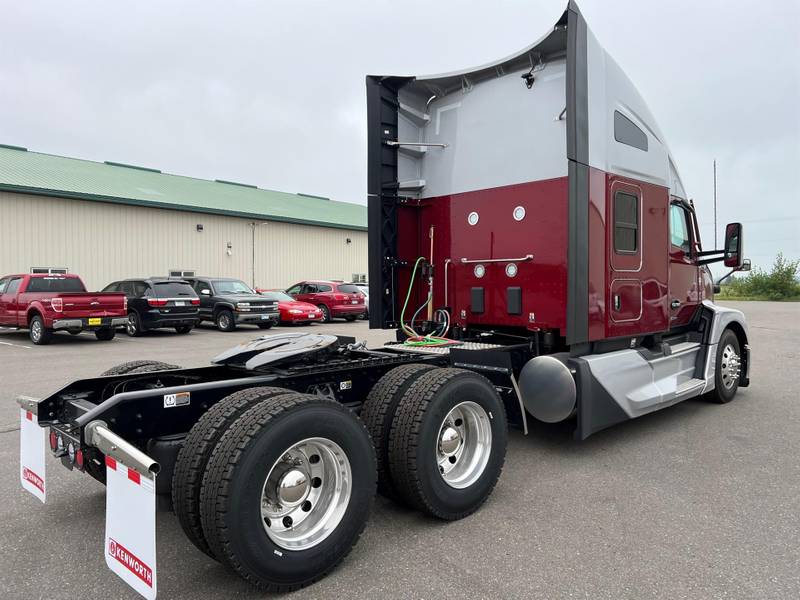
626	223
627	132
178	273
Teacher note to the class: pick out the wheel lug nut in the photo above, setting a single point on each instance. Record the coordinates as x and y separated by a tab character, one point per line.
287	521
316	482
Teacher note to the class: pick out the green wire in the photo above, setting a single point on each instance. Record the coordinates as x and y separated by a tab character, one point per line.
408	295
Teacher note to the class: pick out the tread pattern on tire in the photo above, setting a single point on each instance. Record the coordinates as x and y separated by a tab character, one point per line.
194	456
219	474
405	436
378	412
138	366
717	395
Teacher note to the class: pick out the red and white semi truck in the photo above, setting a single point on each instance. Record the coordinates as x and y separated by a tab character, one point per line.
531	242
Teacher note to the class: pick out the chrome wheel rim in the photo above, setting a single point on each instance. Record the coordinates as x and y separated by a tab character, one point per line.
731	366
464	445
224	321
306	493
130	328
36	330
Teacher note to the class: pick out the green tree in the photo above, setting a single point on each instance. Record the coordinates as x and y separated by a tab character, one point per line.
779	284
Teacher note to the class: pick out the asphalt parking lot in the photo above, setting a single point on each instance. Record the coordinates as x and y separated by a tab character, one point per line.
696	501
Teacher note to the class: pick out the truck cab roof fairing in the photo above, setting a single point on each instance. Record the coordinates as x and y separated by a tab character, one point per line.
594	92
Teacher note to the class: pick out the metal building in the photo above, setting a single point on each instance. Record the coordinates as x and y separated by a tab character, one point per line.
106	221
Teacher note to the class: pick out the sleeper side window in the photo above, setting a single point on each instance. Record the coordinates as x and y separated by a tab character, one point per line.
626	223
628	133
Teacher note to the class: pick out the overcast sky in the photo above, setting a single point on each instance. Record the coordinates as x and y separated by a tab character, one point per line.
272	93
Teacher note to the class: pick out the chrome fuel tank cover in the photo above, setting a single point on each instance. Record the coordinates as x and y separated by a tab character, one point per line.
274	349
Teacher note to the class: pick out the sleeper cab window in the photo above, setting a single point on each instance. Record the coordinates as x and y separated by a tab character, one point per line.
628	133
626	223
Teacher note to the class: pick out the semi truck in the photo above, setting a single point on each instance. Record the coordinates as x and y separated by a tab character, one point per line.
533	246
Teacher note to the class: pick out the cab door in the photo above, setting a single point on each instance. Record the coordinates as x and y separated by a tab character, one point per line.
9	310
207	301
684	284
3	310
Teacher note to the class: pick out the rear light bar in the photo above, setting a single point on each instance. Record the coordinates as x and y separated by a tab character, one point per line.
57	304
157	302
195	301
340	296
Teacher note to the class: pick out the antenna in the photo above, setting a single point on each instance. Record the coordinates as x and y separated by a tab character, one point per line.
715	203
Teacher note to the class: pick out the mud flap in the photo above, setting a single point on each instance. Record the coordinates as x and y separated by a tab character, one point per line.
32	440
130	544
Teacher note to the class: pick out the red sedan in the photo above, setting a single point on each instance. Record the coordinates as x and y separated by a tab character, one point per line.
293	311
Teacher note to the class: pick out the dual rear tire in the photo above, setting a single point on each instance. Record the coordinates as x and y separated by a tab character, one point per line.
440	438
276	485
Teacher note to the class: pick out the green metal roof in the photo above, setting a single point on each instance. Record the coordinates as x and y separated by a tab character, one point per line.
49	175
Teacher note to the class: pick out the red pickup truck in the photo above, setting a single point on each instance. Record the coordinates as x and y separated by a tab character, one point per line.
45	303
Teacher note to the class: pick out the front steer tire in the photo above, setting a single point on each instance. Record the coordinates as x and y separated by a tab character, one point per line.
225	320
417	439
726	385
234	482
378	414
193	457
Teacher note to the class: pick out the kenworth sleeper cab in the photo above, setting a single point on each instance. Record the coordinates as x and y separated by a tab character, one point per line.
533	246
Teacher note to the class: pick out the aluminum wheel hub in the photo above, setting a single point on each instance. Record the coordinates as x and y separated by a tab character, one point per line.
731	366
306	493
464	444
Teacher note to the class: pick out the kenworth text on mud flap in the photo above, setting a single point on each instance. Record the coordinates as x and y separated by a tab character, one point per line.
532	244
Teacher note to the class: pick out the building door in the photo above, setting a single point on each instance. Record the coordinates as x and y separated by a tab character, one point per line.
684	284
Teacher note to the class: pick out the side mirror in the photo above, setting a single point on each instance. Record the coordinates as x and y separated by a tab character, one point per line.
733	246
746	265
205	292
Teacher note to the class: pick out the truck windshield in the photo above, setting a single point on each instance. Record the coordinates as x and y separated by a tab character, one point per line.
232	286
172	289
55	284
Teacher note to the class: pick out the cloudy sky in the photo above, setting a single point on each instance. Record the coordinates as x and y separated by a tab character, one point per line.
272	93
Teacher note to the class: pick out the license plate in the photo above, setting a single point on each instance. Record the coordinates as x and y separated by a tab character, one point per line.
95	322
312	315
355	301
264	317
180	303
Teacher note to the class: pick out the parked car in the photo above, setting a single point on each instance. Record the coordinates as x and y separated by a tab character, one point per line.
45	303
158	302
231	302
291	310
334	299
364	287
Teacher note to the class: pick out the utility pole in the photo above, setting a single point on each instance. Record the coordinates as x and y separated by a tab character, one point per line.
715	203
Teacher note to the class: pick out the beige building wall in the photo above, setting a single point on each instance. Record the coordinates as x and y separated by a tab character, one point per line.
103	242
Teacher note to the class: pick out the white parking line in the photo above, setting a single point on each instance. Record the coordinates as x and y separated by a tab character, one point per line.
15	345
